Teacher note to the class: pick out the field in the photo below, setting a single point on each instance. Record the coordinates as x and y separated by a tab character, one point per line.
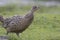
46	24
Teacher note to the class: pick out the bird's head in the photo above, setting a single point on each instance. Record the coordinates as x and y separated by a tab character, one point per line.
1	18
34	8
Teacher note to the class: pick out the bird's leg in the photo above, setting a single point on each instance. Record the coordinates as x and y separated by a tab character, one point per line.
7	31
17	34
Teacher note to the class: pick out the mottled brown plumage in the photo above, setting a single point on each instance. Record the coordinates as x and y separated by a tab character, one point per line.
17	24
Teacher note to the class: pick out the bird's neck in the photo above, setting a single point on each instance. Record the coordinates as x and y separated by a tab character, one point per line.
29	14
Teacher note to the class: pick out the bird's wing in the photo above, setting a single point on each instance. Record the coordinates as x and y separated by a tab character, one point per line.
15	23
11	21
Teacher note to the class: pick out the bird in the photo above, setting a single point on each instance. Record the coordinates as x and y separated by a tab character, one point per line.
17	24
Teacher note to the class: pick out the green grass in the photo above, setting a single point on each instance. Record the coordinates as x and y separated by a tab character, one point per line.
46	24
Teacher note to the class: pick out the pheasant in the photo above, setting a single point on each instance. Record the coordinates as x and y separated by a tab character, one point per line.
17	24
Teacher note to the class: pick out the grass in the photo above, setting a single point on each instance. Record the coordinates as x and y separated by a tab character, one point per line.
46	24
